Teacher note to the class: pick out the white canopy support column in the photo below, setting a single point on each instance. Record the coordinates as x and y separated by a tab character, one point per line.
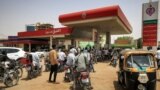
29	47
108	39
50	42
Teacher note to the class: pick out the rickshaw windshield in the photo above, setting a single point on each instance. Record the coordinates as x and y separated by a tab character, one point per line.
139	61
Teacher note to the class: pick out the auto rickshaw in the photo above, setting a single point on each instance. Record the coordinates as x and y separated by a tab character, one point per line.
137	70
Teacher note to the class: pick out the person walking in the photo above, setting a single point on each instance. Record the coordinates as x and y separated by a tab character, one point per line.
54	64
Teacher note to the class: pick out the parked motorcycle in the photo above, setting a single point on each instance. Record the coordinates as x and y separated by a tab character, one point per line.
33	71
82	80
8	75
17	68
68	76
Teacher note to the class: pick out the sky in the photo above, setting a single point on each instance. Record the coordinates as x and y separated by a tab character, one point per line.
16	14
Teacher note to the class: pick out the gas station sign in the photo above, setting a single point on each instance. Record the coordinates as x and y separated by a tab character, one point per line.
149	25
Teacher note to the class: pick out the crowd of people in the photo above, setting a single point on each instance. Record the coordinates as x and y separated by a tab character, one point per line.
78	58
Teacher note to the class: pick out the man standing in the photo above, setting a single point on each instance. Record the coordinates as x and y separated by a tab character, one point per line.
54	64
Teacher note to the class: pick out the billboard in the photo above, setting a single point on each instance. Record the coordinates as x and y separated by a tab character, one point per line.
30	28
149	23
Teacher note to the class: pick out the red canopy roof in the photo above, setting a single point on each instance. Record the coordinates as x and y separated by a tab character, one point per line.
96	13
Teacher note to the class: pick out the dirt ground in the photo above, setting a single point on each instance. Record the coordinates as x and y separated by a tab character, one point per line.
104	78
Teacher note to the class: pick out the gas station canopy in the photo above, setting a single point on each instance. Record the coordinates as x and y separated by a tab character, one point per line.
110	19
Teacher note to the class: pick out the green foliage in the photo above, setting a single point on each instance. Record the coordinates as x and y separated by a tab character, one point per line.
125	38
139	43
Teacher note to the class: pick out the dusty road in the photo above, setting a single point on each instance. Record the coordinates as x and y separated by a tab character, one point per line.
104	78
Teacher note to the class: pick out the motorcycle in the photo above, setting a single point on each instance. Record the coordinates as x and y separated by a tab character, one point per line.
82	80
19	65
17	68
8	75
47	65
33	71
113	63
61	66
68	76
16	65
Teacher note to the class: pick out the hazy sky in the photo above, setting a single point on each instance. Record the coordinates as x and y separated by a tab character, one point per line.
15	14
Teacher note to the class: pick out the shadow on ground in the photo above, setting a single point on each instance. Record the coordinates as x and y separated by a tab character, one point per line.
77	88
117	86
4	87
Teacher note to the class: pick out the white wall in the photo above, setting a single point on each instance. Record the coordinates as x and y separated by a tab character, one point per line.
67	42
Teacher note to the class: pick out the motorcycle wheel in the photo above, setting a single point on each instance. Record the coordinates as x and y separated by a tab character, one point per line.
29	75
20	72
86	88
11	80
46	68
74	85
67	78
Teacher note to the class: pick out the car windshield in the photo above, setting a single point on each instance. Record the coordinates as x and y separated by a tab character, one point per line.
140	61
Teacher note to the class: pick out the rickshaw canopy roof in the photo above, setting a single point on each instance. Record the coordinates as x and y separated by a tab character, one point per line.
126	53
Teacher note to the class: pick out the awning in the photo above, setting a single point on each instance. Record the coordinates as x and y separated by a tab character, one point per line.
23	42
56	32
109	18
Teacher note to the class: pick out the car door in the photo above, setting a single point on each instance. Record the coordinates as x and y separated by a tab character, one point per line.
12	53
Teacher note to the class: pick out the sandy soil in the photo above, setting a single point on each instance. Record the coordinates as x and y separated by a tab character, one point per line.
104	78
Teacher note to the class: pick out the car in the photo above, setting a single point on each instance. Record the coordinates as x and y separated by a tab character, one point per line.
13	52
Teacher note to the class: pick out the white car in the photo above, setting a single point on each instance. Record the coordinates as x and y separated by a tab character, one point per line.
13	52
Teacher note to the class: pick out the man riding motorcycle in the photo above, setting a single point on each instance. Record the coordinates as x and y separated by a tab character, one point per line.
36	60
33	66
69	65
81	66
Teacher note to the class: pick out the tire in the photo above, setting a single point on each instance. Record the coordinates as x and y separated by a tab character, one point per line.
40	71
74	85
20	72
86	88
29	75
11	80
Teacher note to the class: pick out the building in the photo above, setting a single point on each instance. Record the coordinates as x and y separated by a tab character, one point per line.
84	26
124	42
